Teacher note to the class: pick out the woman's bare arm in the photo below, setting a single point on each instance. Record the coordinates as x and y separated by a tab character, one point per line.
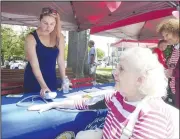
60	58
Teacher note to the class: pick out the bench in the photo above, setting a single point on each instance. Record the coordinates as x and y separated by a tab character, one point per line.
69	73
12	80
82	82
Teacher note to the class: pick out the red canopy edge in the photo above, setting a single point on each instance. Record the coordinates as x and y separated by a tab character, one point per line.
135	19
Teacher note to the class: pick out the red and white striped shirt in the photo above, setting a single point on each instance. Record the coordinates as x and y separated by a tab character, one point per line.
172	64
152	124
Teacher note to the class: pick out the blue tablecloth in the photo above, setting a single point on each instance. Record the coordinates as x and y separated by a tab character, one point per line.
18	123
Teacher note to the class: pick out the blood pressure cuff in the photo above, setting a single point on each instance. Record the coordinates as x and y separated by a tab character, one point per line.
98	105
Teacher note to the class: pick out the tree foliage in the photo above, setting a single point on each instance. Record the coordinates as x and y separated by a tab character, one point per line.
100	53
66	52
12	42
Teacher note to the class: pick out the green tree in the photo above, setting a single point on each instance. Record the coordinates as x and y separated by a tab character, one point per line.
12	42
9	42
66	52
100	53
22	36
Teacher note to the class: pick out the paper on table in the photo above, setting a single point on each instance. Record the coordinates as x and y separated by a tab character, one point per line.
14	95
107	87
91	90
91	93
75	95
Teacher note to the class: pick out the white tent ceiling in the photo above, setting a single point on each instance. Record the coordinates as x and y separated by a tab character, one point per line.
27	13
138	31
138	27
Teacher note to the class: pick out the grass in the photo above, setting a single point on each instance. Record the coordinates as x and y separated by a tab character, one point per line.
104	75
104	71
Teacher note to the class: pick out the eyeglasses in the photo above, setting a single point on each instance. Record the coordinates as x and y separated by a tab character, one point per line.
48	10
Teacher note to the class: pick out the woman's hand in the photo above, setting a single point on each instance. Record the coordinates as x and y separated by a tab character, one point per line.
43	91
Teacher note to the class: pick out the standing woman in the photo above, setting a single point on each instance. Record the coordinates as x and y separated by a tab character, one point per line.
169	29
42	48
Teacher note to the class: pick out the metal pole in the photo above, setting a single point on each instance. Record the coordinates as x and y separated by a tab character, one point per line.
108	54
112	59
108	49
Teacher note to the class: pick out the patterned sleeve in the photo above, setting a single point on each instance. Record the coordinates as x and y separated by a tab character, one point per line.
83	103
80	104
153	124
108	98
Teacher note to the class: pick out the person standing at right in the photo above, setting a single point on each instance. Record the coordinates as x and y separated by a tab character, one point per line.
92	56
169	29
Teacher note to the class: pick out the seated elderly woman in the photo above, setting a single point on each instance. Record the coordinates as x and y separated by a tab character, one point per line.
136	109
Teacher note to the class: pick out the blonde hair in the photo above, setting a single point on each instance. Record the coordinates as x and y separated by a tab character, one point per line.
146	65
170	26
55	34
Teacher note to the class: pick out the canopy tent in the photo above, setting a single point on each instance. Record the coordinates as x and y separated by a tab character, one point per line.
132	43
138	27
78	16
137	30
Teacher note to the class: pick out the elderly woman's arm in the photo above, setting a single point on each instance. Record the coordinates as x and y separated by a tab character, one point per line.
79	104
85	103
70	104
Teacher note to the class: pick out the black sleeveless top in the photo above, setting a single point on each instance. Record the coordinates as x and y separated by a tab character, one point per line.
47	62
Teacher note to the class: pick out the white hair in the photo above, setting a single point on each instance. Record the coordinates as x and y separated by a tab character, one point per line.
146	65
